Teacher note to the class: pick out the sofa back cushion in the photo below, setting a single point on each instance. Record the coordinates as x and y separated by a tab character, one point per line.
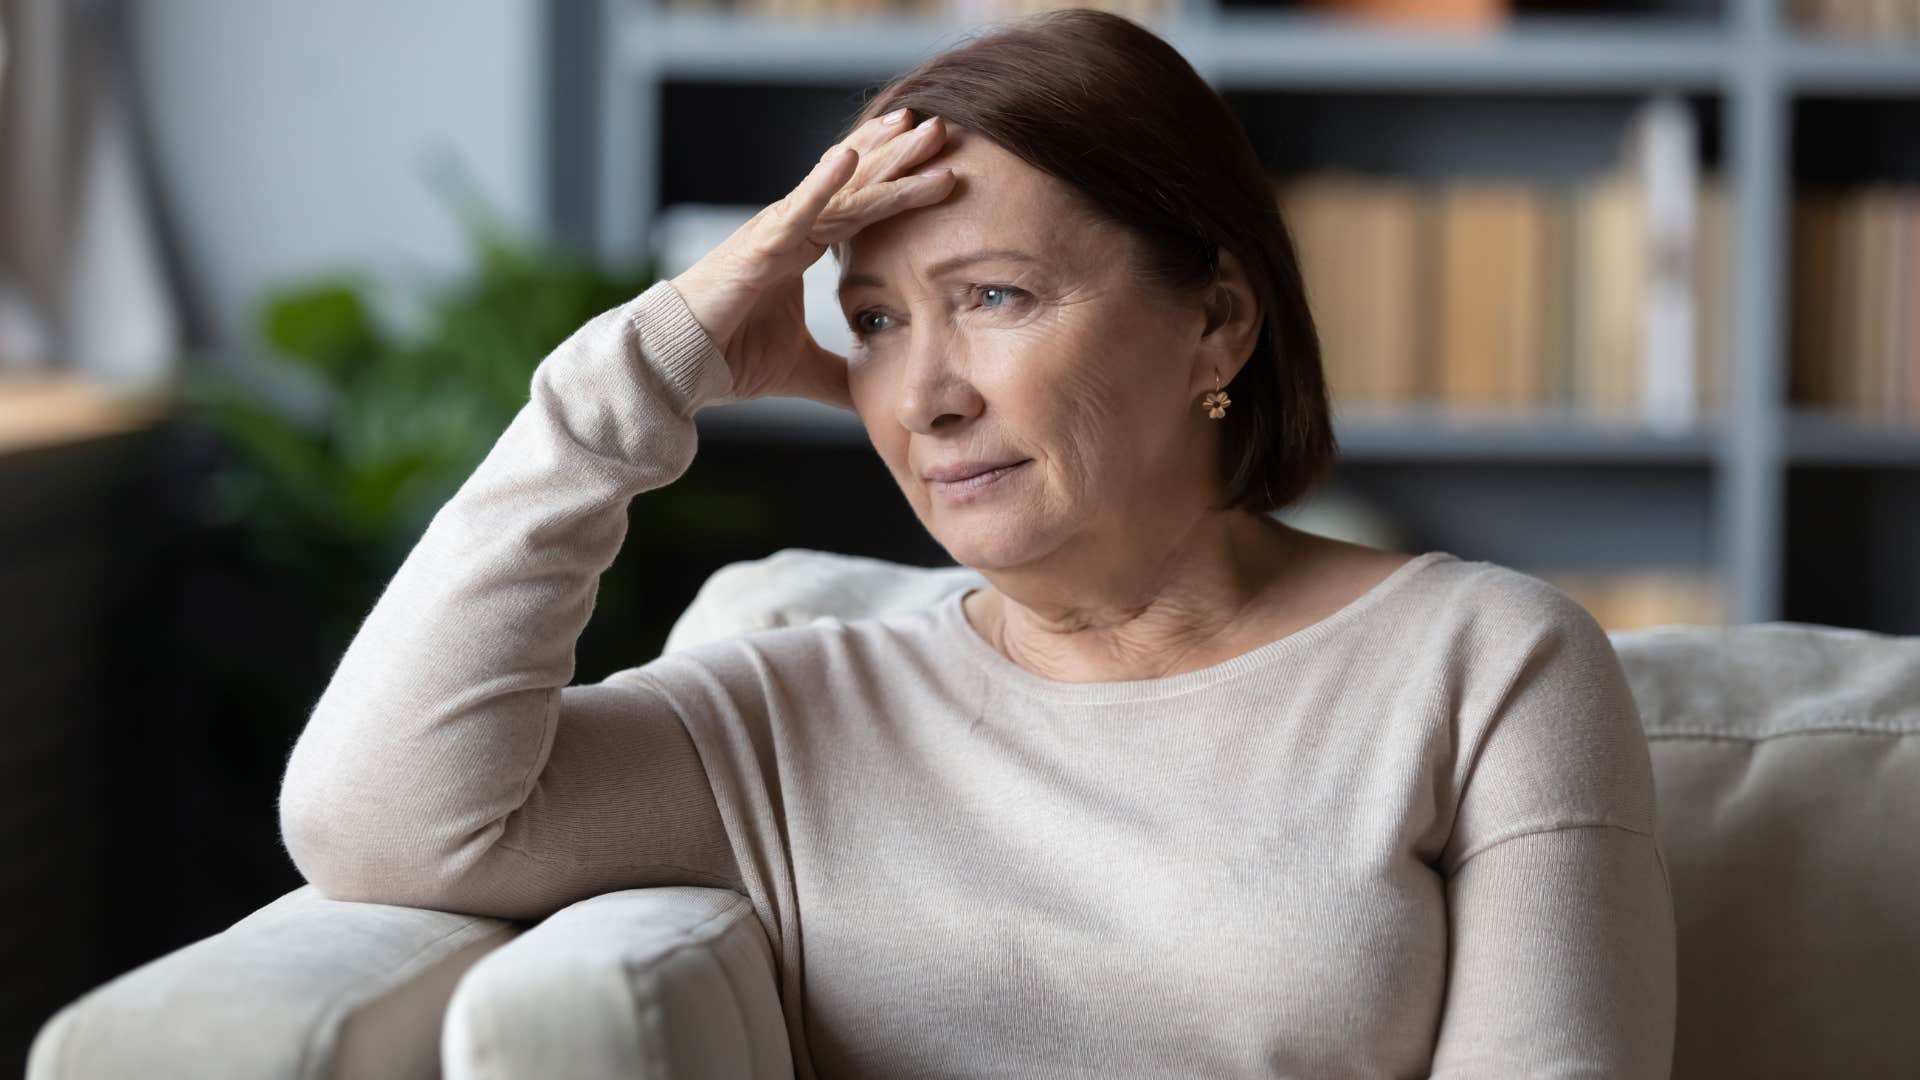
1787	766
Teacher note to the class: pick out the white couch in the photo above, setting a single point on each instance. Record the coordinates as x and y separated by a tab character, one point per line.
1787	758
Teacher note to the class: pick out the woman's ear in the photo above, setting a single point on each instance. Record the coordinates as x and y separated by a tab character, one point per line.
1232	324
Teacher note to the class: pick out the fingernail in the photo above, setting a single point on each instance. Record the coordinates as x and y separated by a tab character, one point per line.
923	123
896	116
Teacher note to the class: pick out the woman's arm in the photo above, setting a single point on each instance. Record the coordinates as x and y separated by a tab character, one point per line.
448	764
1561	959
1562	950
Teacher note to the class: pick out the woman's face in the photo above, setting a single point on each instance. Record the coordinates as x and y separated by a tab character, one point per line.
1059	360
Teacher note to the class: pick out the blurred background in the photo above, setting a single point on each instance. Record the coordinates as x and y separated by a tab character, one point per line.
1623	295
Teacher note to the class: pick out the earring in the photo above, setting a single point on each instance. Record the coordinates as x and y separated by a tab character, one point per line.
1216	401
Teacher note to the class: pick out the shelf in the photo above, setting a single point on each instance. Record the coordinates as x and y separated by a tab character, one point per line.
780	419
1435	434
1817	65
50	410
1274	49
1838	437
1410	435
717	45
1248	50
1282	48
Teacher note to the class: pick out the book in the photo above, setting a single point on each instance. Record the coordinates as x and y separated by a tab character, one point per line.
1661	150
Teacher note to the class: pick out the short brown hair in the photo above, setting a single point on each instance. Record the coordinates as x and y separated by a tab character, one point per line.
1105	105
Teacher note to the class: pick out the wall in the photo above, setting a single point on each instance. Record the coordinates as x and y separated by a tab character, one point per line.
289	138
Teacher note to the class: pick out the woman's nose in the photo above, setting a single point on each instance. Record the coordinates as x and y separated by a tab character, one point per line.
935	390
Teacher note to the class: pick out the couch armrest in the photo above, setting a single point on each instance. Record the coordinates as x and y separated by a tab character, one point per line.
304	987
667	983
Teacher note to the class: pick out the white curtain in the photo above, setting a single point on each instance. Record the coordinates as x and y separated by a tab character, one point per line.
82	286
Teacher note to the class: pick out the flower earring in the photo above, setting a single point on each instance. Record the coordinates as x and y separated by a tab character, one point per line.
1216	401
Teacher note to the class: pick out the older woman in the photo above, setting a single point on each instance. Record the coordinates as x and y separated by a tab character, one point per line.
1182	792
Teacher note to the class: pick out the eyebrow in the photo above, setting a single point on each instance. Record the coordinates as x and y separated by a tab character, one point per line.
946	266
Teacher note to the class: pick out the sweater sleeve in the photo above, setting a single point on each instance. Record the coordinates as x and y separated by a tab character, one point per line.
1562	945
448	764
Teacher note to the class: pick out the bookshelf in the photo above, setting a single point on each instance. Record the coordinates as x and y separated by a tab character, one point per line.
1790	509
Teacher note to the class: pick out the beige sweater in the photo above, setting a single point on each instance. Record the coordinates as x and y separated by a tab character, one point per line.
1415	837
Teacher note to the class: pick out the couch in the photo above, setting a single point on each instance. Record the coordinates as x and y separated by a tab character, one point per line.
1787	761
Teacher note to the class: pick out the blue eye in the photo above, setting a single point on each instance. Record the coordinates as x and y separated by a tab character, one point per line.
861	330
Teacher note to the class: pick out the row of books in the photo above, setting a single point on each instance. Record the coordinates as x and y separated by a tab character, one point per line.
1856	301
1607	297
1884	19
1642	598
1435	14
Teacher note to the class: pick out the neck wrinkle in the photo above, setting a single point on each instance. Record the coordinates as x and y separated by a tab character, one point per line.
1255	561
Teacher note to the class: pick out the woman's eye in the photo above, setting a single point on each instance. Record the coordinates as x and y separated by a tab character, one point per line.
861	328
1006	290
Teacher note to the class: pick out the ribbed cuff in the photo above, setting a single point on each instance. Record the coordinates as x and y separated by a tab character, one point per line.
680	349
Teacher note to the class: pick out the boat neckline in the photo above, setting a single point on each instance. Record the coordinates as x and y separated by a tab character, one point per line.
978	651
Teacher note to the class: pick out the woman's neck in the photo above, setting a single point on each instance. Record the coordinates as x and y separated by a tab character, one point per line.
1204	606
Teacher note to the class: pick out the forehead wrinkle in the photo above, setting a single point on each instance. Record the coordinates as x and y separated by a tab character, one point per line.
945	266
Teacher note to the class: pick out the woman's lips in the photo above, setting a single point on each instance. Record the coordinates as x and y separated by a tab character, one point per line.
973	485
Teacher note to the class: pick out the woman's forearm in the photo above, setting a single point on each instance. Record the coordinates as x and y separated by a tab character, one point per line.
441	714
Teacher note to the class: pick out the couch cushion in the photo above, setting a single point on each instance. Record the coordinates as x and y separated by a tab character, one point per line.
798	585
1787	765
304	987
674	982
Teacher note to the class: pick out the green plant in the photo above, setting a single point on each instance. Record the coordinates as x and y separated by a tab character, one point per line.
336	499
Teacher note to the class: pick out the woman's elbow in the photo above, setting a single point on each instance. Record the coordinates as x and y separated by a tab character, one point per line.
369	856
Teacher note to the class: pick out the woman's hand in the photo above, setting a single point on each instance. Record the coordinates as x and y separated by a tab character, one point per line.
747	292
